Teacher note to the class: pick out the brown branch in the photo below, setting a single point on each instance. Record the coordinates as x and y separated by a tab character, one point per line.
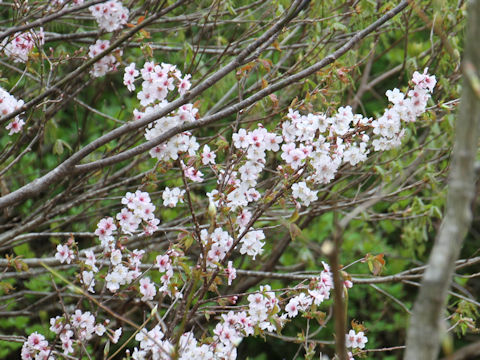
471	352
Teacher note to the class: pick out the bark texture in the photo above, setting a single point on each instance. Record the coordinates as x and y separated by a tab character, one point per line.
424	334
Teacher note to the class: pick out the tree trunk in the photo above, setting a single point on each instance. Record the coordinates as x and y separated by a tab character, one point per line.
424	334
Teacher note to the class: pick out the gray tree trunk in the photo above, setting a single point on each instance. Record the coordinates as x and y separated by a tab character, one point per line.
424	333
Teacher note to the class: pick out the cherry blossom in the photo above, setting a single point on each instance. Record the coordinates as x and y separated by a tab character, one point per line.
301	191
111	15
208	157
147	289
36	347
64	254
129	76
172	196
105	64
9	104
19	47
88	280
231	272
355	340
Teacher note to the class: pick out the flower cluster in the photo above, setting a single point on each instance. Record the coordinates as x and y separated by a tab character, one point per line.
78	327
111	15
151	343
158	82
36	347
252	243
120	274
165	264
217	244
302	192
105	229
405	108
239	186
64	254
21	44
324	142
139	208
318	292
129	76
355	340
9	104
106	63
230	331
172	196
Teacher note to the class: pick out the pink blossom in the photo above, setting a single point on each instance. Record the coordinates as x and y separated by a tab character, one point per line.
64	254
231	272
147	289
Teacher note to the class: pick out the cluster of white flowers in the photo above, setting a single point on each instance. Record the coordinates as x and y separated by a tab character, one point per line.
318	292
325	142
64	254
355	340
106	63
18	47
110	15
125	264
36	347
138	208
151	343
104	231
229	332
263	311
261	314
241	184
217	244
165	266
129	76
252	243
9	104
120	274
165	263
80	327
172	196
302	191
191	349
158	82
406	109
